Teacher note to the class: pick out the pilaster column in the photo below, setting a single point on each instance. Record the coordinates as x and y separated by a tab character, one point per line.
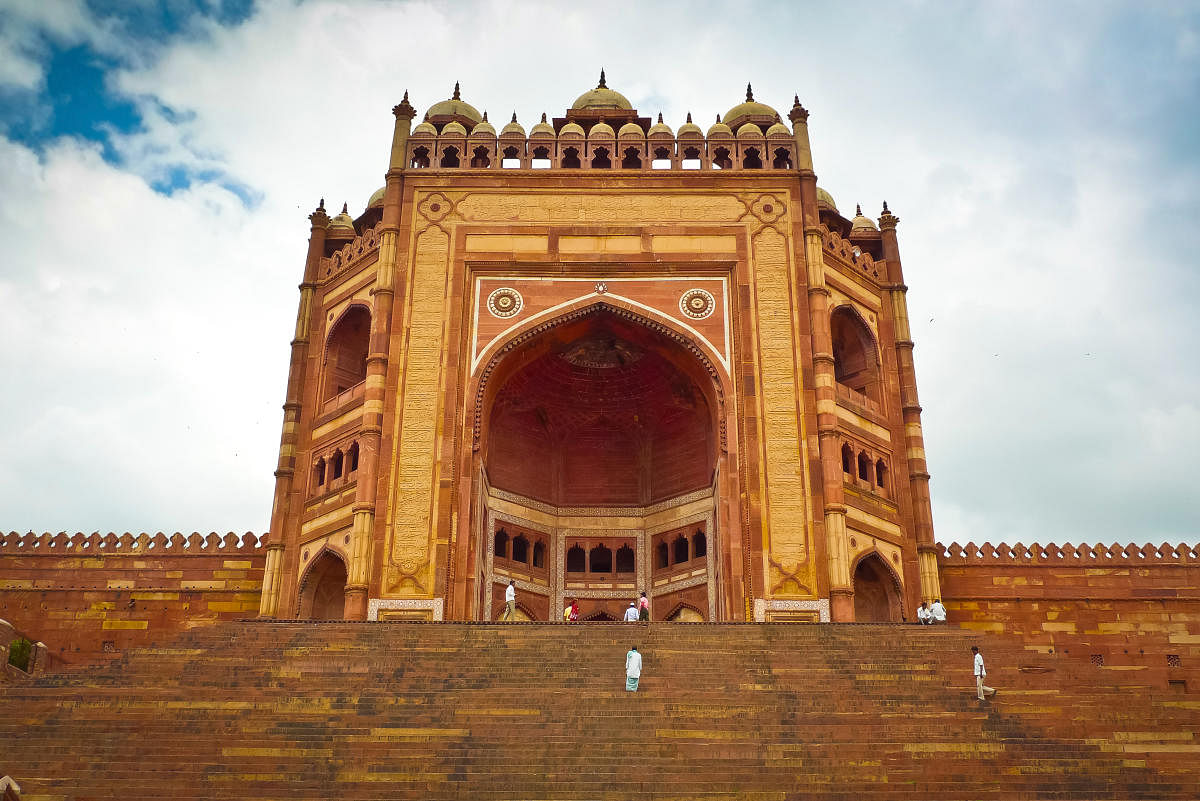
914	440
382	296
285	468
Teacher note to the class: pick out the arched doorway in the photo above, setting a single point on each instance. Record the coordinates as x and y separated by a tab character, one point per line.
600	413
323	590
876	594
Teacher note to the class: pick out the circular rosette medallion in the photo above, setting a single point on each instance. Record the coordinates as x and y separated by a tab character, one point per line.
505	302
697	303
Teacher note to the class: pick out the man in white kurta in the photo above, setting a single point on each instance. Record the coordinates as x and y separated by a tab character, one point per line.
633	669
980	674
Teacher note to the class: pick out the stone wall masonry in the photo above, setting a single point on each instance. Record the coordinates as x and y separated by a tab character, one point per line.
91	596
1127	607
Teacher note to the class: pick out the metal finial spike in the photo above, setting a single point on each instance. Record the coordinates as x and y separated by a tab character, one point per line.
543	116
749	94
485	119
455	96
885	208
660	116
689	119
718	118
858	209
406	94
514	119
795	100
602	85
321	205
345	208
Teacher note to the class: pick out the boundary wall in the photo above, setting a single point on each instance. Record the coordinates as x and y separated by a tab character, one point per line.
88	597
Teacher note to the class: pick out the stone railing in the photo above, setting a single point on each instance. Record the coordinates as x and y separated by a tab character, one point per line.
1117	555
350	254
15	542
845	250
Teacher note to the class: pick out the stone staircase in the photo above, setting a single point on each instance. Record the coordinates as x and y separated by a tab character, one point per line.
258	710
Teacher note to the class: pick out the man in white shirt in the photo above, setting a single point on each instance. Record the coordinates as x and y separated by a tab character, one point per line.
633	668
922	613
510	601
980	673
937	612
631	614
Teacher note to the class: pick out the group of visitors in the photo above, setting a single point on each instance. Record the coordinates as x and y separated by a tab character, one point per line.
934	613
638	610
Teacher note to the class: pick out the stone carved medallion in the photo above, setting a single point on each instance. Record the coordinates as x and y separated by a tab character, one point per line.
505	302
697	303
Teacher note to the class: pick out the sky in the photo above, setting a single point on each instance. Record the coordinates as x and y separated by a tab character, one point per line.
159	158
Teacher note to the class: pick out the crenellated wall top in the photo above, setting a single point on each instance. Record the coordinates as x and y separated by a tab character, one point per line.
1068	555
15	542
351	254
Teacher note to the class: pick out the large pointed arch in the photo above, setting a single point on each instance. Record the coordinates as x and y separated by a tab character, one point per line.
878	592
323	587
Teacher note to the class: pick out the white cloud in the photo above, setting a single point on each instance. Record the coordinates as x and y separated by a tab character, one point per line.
1052	314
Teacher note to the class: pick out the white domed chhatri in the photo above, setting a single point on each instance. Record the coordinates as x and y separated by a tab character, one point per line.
861	224
601	98
454	108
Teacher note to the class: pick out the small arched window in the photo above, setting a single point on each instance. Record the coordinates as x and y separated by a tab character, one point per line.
576	560
420	158
450	157
600	159
626	561
319	472
352	458
520	547
680	548
335	465
541	158
632	160
721	160
346	352
699	544
783	159
854	359
501	543
539	554
511	158
847	458
481	158
691	158
570	159
662	159
881	474
864	466
600	560
751	159
662	556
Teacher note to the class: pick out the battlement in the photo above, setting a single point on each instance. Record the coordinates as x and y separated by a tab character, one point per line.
113	544
1123	555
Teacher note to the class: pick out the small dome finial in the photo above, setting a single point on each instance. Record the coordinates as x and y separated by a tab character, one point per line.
406	94
455	95
602	85
885	208
345	208
514	119
660	117
485	119
321	205
543	116
857	209
718	118
689	119
749	94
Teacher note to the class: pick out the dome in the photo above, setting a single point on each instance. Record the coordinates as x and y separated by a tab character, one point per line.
455	107
572	129
424	127
377	198
484	128
861	224
778	129
341	226
513	127
749	130
630	129
602	97
660	127
454	128
719	128
601	129
542	127
826	198
688	127
751	111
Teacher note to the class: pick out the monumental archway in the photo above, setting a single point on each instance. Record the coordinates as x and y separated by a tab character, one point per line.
606	426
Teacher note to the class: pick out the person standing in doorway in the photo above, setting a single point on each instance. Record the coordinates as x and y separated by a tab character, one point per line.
937	612
510	601
633	669
981	689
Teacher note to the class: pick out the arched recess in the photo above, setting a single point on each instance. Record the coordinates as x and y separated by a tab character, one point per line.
685	613
522	614
855	352
323	588
878	597
345	362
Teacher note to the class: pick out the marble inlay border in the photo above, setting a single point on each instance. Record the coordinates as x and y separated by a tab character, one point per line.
762	605
436	605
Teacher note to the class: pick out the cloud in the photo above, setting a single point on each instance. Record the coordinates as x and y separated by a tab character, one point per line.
1043	161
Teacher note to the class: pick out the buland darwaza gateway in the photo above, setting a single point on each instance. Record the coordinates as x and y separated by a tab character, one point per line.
598	357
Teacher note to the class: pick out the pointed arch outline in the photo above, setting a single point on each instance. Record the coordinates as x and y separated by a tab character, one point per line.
499	349
897	581
681	606
302	585
852	309
351	306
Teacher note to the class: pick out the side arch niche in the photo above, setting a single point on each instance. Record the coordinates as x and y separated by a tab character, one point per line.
323	589
877	595
855	355
345	363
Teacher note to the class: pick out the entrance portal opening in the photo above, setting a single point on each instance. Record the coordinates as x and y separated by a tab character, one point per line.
323	591
876	597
